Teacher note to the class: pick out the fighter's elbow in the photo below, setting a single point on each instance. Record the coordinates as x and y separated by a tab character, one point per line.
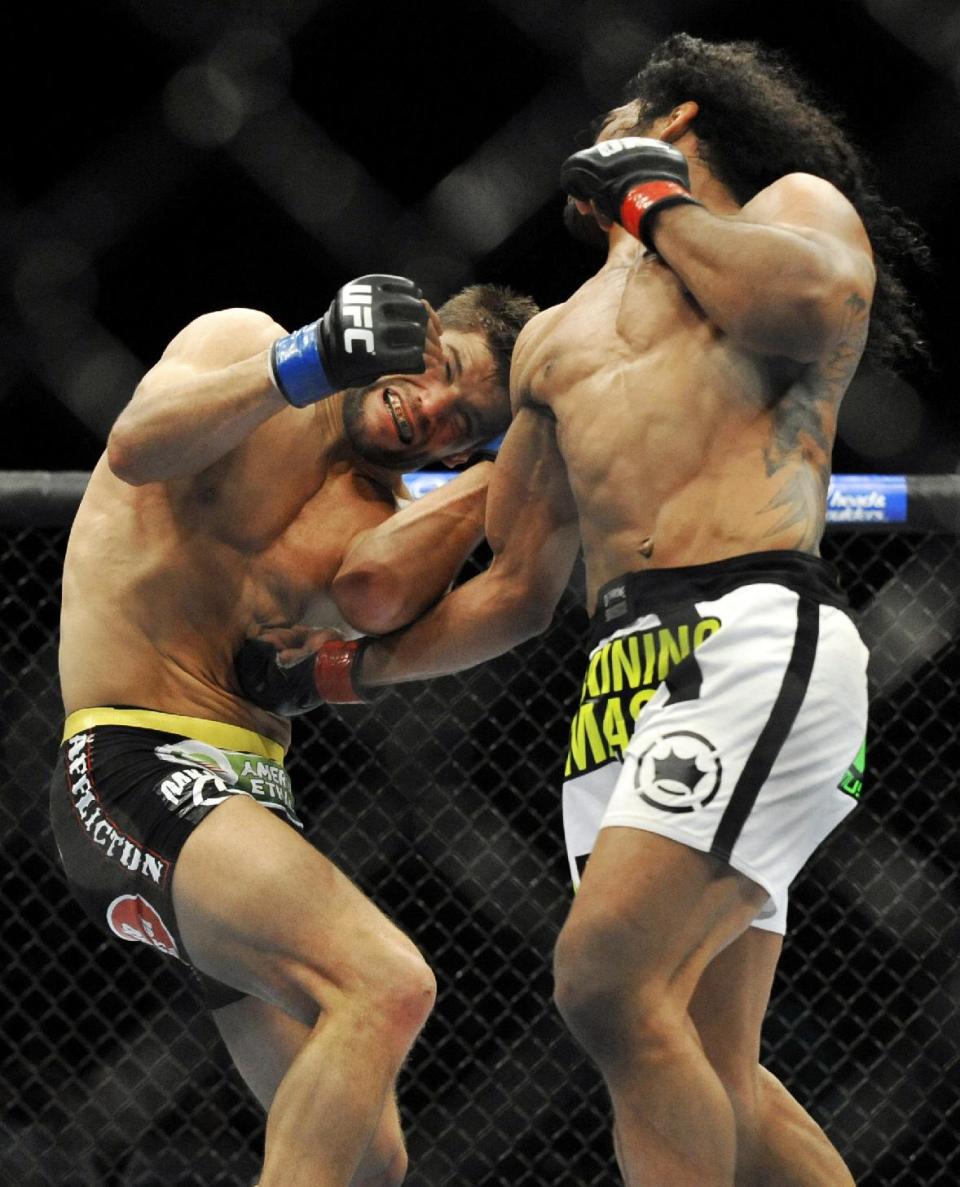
126	456
525	606
375	600
532	619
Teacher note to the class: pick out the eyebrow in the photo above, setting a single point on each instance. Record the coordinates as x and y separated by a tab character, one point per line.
458	368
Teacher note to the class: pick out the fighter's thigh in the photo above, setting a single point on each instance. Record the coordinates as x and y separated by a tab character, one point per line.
730	1002
260	909
649	907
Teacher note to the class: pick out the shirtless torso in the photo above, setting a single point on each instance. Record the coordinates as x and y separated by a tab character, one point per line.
655	429
163	582
164	579
680	446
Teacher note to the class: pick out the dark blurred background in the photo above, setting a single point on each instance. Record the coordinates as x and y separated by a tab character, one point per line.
163	160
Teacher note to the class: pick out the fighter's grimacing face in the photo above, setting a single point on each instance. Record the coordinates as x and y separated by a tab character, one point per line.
403	421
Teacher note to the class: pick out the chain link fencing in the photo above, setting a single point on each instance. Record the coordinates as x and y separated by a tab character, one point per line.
442	802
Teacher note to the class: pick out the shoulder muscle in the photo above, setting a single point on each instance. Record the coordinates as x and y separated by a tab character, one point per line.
226	336
813	206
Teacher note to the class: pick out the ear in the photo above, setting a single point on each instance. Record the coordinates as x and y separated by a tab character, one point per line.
457	459
679	120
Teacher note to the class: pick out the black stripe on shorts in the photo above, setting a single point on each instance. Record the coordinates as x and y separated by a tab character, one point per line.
757	768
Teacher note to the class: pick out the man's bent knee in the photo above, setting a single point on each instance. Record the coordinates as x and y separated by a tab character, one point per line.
407	989
399	995
589	987
605	995
390	1173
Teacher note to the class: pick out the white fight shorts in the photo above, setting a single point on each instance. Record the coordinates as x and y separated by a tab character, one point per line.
725	707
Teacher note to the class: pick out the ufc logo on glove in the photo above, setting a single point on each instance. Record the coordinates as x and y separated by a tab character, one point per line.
359	310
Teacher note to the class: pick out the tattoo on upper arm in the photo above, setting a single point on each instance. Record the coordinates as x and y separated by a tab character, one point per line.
842	361
799	503
804	424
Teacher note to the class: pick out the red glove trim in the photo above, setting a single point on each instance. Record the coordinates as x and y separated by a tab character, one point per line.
643	198
333	671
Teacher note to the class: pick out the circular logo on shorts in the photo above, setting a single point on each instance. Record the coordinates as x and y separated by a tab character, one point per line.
678	772
132	918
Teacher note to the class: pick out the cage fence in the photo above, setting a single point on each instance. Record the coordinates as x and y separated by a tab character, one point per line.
442	802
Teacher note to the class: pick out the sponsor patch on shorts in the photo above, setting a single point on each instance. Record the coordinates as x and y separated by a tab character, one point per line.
678	771
116	844
132	918
852	782
205	776
623	674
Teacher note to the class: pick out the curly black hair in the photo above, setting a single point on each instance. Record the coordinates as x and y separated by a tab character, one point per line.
759	120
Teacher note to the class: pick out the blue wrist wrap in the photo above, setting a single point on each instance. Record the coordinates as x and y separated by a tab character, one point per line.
298	369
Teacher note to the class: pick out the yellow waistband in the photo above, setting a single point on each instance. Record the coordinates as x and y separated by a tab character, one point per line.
216	733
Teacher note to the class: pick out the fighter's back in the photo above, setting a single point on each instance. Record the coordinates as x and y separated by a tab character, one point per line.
160	589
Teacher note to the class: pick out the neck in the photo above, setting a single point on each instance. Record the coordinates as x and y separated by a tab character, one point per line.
622	249
706	188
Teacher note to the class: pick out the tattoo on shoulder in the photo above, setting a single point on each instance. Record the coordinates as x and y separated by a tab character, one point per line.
838	367
805	420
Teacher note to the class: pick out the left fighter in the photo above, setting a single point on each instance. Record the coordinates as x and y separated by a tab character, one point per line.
251	484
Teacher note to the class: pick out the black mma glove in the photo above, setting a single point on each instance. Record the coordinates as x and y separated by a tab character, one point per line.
328	676
376	325
630	180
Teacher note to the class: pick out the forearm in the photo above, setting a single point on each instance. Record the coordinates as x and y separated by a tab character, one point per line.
391	574
510	602
770	288
178	427
532	527
476	622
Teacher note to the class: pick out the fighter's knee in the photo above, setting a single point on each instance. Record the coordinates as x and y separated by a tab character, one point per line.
401	994
586	985
602	993
390	1173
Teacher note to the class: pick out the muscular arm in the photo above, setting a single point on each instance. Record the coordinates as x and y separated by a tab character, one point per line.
393	572
533	533
205	396
776	277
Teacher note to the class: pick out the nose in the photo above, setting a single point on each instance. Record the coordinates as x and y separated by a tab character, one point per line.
434	402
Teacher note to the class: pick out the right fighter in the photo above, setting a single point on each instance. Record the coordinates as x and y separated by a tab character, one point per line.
675	417
252	483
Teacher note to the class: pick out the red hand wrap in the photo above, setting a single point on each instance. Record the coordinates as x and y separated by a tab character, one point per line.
333	672
643	198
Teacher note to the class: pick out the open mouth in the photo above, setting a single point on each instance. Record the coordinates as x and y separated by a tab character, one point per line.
403	426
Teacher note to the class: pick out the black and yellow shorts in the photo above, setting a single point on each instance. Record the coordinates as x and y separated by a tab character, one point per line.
129	788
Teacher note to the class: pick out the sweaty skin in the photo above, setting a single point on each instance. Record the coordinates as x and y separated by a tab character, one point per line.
714	432
680	408
221	512
286	525
680	446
